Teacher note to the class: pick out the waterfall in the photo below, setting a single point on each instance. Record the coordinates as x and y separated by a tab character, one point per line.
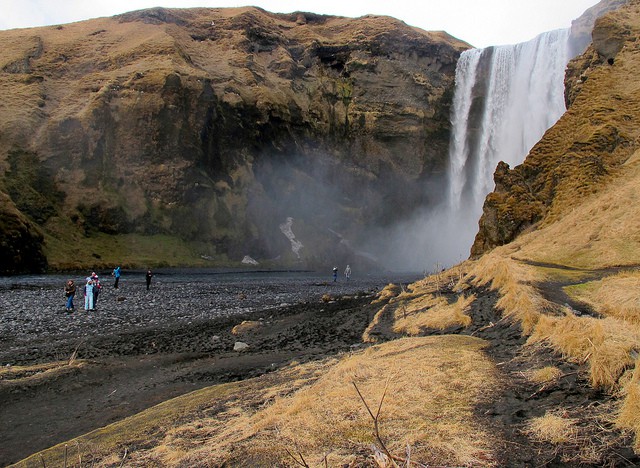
506	97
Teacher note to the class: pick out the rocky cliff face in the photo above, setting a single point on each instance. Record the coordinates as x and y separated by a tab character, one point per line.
214	126
587	146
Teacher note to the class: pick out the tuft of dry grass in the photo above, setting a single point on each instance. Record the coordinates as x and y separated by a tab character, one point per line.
245	326
519	299
38	374
388	292
431	312
545	375
554	428
607	345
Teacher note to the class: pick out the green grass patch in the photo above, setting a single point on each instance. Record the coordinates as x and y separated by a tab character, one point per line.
578	292
127	250
562	274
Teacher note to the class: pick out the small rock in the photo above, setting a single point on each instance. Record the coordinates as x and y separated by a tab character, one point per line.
240	346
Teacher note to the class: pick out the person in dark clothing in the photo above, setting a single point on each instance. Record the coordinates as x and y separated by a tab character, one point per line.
97	287
70	292
148	278
335	274
116	275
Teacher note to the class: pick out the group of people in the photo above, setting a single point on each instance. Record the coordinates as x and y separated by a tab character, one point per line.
92	287
90	291
347	273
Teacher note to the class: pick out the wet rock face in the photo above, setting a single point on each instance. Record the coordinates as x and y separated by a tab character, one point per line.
609	37
580	151
20	242
582	29
215	125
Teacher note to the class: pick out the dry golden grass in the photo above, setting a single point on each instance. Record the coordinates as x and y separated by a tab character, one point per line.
553	428
605	344
545	375
608	345
245	327
431	312
38	374
422	306
389	291
628	415
519	299
314	411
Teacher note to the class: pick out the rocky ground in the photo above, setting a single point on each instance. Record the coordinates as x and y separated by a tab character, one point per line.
141	348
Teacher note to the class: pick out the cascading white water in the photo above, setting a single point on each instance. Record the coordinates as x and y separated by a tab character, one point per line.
506	97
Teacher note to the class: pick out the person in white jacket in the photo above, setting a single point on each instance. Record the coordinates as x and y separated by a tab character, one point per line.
88	295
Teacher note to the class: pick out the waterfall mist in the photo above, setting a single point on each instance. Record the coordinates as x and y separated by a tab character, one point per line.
506	97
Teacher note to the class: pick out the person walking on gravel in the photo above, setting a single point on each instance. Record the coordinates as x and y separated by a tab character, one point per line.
347	272
116	275
69	292
147	277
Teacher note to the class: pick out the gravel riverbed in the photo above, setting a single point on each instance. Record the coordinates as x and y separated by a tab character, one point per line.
33	317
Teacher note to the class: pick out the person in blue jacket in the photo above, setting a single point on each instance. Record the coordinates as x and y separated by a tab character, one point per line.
88	295
116	275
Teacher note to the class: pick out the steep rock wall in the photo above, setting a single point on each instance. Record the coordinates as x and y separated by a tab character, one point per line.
585	148
216	125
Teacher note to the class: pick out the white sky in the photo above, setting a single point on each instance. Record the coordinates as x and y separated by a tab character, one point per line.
479	22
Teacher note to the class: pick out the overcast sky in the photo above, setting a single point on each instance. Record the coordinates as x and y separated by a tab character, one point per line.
479	22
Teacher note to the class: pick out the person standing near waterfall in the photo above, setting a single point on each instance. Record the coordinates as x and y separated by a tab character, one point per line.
88	295
69	292
116	275
97	287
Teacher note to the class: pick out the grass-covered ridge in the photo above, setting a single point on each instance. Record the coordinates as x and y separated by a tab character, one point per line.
127	250
314	411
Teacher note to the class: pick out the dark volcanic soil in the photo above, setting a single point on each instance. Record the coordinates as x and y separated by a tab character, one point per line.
140	348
